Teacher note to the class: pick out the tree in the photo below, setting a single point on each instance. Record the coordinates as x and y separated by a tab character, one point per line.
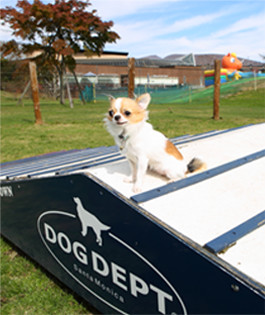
57	31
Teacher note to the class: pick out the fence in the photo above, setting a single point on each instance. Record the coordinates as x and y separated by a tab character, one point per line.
176	94
94	92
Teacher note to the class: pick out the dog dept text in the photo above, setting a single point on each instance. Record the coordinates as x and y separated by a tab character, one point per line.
119	276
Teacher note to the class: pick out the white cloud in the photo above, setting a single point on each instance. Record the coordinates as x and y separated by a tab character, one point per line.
151	29
5	33
243	36
139	41
255	21
162	35
247	45
119	8
196	21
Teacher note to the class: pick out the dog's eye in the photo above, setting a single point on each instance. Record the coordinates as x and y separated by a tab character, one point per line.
111	113
127	113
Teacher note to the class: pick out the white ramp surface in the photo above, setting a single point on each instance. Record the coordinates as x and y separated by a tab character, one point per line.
215	204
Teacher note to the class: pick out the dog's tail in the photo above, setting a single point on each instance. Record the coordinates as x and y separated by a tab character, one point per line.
196	165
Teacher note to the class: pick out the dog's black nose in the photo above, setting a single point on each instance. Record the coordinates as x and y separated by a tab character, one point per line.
117	117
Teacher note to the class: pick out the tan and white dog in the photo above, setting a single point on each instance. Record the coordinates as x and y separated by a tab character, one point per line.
144	147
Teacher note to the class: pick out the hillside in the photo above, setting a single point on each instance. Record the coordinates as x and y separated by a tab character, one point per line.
207	60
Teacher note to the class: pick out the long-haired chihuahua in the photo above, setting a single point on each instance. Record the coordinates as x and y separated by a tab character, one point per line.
144	147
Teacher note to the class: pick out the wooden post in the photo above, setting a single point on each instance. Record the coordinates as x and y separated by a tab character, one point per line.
35	91
190	94
79	88
19	102
69	92
217	83
131	75
255	80
94	93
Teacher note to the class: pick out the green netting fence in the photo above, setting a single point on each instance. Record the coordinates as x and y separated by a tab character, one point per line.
177	94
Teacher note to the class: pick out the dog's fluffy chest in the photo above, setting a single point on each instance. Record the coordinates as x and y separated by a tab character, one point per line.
143	141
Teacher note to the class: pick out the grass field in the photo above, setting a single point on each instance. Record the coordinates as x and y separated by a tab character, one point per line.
26	288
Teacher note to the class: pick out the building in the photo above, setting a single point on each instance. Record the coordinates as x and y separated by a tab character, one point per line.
111	69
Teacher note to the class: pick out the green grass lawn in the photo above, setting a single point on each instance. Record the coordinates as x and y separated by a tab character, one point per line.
82	127
26	288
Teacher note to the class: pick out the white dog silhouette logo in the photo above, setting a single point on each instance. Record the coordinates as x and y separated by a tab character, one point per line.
89	220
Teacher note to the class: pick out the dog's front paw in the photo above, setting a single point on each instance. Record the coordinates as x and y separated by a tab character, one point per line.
137	189
128	179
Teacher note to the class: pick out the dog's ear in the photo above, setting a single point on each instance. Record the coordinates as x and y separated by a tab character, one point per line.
110	97
143	100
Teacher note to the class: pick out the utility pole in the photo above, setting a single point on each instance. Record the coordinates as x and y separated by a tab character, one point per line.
35	92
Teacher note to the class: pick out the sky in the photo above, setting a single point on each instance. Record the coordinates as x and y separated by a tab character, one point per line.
165	27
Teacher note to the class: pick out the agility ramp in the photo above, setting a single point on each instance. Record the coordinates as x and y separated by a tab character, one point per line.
192	246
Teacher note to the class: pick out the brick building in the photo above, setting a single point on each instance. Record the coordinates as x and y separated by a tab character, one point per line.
114	66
